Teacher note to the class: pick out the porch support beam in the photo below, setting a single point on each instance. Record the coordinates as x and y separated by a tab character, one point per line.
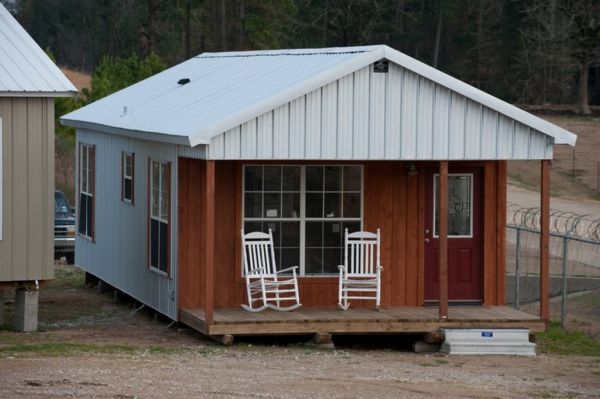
545	241
209	236
443	237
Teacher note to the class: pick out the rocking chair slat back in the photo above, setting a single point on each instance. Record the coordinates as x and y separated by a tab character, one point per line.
362	253
259	254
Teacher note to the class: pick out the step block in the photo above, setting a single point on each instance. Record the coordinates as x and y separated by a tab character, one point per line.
487	342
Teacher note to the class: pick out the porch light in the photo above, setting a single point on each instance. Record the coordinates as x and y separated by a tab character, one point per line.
412	169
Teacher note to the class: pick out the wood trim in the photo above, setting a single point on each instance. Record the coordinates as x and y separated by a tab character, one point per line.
421	239
443	241
133	178
93	217
209	234
545	241
488	246
148	213
501	197
169	230
122	176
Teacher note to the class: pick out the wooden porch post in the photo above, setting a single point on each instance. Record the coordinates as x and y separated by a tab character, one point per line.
209	234
443	237
545	241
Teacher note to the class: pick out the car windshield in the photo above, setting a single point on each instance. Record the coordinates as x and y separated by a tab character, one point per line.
60	203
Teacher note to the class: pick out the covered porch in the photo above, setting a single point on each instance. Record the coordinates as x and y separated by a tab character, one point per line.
400	319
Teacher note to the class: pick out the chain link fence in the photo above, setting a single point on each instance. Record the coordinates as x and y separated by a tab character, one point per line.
574	256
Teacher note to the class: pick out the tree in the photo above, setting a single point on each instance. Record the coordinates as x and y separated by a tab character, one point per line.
584	24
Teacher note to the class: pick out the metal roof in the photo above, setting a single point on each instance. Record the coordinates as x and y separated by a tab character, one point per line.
25	70
227	89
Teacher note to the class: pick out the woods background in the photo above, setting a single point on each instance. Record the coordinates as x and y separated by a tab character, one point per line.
534	52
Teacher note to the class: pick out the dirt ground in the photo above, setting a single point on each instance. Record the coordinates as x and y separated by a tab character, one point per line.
92	346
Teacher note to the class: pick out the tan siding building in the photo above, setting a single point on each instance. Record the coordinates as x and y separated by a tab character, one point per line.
29	82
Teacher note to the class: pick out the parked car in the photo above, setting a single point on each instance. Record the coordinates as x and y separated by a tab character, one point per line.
64	228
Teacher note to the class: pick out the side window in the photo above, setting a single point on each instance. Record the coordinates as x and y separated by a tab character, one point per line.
127	177
87	189
159	204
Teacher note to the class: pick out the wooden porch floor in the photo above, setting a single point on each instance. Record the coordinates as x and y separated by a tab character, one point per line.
406	319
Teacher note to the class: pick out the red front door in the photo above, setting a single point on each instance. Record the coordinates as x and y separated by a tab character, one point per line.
465	266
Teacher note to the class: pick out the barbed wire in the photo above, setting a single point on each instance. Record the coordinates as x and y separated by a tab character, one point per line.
565	223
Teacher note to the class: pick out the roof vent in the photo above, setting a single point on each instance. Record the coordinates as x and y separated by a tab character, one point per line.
183	81
380	66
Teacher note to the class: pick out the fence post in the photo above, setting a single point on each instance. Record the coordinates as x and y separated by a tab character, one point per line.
517	274
563	315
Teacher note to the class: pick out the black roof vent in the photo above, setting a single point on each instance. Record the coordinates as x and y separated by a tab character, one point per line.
183	81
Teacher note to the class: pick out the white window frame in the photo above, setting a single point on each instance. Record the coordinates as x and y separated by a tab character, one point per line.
125	176
158	218
86	190
435	188
303	219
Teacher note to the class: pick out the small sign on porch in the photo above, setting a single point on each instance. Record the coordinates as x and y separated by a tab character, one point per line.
487	334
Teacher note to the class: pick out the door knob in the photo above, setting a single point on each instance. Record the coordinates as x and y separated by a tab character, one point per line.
426	240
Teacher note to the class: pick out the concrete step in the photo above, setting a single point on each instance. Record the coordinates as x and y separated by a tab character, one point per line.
487	342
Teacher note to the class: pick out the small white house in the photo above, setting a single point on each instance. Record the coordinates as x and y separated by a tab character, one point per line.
306	143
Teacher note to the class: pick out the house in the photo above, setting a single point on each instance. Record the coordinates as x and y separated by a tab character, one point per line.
307	143
29	82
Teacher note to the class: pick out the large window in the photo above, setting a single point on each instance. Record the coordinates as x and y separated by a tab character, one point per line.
87	189
160	194
127	176
307	208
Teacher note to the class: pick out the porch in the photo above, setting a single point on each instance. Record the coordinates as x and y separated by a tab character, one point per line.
391	320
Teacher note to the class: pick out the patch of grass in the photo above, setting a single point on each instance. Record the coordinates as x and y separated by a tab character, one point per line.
442	361
67	277
564	342
62	349
428	364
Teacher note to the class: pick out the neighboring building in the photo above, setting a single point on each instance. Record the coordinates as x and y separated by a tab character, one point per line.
307	143
29	82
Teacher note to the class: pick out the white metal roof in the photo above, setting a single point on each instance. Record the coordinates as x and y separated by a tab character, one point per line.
25	69
230	88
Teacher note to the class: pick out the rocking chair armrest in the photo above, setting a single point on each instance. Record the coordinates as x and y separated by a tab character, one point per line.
293	268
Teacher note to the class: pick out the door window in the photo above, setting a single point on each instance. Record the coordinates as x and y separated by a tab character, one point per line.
460	205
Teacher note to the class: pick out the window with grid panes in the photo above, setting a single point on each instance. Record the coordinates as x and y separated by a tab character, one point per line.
307	208
160	192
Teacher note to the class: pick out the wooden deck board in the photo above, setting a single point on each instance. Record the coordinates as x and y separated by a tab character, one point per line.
413	319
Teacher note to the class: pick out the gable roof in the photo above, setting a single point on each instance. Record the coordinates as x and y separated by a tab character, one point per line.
25	70
230	88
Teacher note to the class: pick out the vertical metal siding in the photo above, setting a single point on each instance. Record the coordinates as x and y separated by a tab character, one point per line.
441	122
393	109
377	112
26	248
394	115
118	254
425	119
329	128
297	127
345	120
313	125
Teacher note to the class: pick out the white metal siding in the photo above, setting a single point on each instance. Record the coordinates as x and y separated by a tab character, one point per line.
387	116
119	253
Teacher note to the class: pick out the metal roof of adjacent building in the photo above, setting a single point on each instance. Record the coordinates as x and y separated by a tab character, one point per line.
230	88
25	70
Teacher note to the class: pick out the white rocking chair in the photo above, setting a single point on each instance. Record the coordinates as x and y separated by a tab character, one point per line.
360	275
264	283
